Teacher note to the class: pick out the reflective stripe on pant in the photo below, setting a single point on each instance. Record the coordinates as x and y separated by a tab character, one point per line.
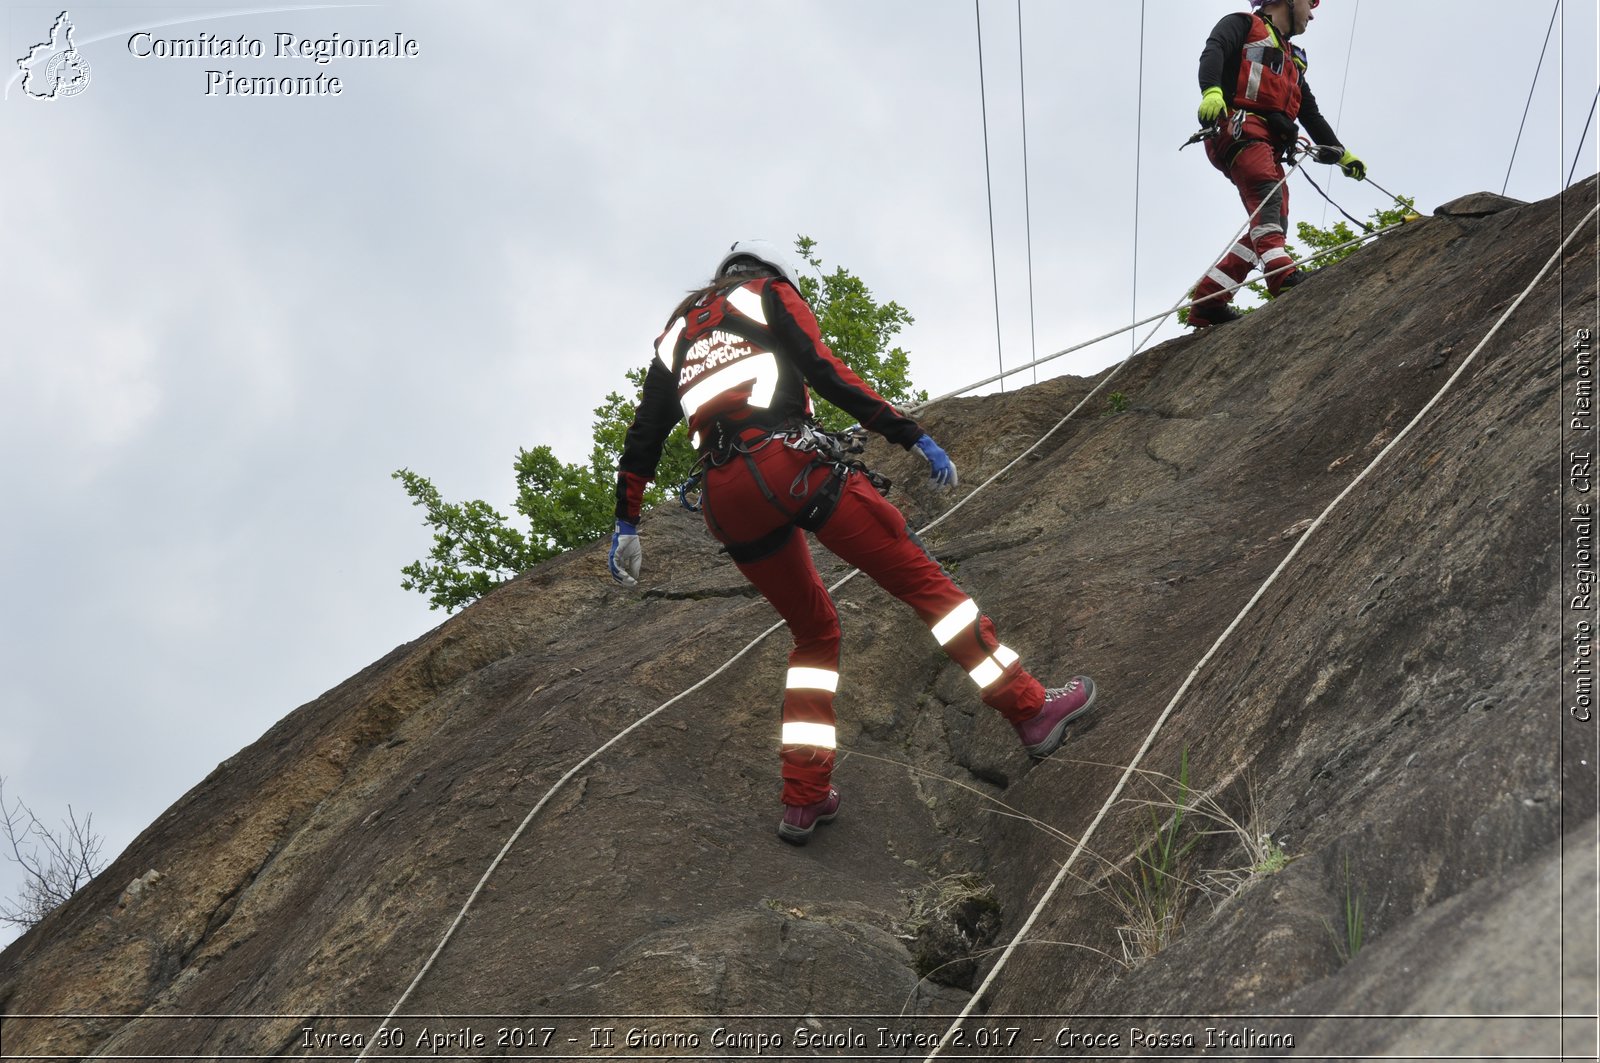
1256	173
868	532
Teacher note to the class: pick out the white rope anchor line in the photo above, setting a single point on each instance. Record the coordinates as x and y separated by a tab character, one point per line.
641	721
1161	317
1161	720
526	820
1237	236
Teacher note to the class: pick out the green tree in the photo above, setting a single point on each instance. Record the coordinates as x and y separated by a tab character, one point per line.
565	504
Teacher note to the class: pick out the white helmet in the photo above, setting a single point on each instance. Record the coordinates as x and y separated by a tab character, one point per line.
768	254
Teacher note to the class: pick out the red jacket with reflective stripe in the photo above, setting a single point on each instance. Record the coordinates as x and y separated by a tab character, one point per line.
1268	79
743	356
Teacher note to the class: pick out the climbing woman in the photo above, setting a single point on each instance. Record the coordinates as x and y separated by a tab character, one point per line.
737	358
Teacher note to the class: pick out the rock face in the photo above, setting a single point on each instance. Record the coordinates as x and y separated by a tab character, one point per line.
1477	205
1389	712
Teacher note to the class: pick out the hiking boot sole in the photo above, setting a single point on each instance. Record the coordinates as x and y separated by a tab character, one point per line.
801	835
1058	733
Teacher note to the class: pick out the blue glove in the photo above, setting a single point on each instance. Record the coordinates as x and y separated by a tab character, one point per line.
942	469
626	555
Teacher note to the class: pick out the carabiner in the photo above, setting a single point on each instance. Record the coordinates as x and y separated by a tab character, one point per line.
685	489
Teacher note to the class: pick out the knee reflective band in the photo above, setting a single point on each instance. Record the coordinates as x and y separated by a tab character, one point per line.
955	621
820	735
813	679
993	667
960	619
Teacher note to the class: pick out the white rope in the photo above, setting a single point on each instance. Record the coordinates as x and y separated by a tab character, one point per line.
1161	317
526	820
1083	839
543	801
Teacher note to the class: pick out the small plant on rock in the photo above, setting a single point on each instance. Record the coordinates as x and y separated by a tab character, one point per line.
1152	897
1350	942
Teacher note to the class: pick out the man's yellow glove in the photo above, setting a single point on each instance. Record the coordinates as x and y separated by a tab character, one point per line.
1212	104
1353	167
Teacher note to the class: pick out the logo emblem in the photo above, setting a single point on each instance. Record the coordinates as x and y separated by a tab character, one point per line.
54	68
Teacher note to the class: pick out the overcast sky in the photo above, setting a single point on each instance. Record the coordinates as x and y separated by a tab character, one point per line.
228	319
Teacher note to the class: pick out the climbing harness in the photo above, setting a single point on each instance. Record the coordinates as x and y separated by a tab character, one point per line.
1291	155
811	508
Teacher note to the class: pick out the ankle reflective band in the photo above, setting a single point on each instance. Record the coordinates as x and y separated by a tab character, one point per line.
813	679
993	667
955	621
820	735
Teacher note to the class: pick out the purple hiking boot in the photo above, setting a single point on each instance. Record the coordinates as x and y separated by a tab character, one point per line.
800	820
1044	733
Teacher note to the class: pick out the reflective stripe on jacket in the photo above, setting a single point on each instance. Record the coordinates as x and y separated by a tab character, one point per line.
724	357
744	357
1269	75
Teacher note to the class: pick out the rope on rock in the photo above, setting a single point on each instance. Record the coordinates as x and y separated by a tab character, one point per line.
1158	318
1283	565
527	820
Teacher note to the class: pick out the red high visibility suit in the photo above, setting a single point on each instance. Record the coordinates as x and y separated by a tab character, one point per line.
1263	78
738	364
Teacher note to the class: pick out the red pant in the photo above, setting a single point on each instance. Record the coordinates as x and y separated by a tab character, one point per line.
1255	171
869	533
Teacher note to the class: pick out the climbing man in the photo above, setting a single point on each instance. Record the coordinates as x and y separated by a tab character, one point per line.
1253	87
736	359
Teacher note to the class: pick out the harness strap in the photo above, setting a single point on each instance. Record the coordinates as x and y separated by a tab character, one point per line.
1287	128
764	547
814	512
761	482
